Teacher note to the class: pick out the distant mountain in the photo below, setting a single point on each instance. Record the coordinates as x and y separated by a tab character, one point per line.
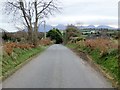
63	27
86	27
104	27
82	27
91	26
98	27
49	27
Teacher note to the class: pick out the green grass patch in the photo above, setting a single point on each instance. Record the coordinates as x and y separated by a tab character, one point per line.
108	62
72	46
19	56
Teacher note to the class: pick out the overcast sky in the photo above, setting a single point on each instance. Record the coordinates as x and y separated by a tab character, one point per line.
86	12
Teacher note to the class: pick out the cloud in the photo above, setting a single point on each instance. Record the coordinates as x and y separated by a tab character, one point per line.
96	12
88	12
88	19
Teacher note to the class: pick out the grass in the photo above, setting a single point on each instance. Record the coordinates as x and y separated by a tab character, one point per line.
19	56
72	46
108	62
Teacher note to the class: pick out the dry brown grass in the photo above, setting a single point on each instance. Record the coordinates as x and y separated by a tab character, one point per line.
46	41
101	43
8	47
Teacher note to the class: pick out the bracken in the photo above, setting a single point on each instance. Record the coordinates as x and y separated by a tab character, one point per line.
8	47
101	43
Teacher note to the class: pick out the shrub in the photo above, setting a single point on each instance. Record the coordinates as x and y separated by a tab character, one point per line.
56	35
45	42
102	44
8	47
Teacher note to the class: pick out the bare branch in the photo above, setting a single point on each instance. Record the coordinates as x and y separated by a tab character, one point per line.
32	12
23	11
45	7
11	3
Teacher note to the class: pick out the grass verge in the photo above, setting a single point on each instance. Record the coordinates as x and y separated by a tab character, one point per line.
19	57
108	63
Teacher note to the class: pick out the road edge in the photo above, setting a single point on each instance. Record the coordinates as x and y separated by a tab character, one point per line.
96	67
21	65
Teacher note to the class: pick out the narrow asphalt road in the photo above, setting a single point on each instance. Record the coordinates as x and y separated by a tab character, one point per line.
57	67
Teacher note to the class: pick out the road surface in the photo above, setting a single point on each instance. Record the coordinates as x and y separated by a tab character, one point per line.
57	67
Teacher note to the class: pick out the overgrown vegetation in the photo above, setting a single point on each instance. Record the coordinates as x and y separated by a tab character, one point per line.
103	51
15	54
19	56
19	36
102	47
72	33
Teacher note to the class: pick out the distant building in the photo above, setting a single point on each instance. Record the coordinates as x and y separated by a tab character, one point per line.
93	32
88	32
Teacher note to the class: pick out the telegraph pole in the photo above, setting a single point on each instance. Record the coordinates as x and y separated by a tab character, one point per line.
44	29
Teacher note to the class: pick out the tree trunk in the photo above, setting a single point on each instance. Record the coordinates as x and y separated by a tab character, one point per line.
36	25
30	35
35	41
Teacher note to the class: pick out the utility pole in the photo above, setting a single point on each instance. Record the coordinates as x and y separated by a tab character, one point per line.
44	29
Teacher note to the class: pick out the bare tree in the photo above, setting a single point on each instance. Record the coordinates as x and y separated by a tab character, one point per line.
32	11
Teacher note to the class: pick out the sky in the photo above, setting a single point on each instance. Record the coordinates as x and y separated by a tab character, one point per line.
84	12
